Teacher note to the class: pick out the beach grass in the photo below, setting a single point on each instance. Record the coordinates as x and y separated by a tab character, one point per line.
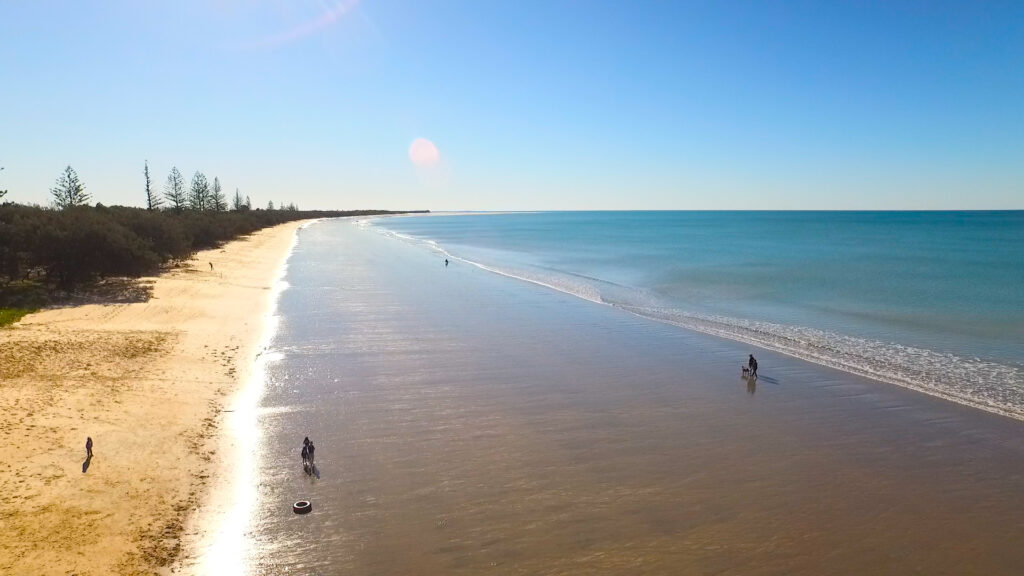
9	316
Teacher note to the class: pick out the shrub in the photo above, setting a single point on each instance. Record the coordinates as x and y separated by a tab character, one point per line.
64	248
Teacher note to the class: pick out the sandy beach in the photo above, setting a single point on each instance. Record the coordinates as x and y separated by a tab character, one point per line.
466	423
147	382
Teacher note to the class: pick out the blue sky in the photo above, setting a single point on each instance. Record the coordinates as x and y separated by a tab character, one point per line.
530	105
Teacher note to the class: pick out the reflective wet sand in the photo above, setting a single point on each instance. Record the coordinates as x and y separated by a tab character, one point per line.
468	423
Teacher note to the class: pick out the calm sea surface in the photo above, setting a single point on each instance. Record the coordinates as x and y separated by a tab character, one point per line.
470	422
928	300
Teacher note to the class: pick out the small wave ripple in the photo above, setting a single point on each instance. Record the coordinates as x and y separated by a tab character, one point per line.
979	383
975	382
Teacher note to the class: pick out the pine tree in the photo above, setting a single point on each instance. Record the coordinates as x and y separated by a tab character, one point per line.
248	203
236	202
199	195
216	200
68	191
174	190
270	205
152	200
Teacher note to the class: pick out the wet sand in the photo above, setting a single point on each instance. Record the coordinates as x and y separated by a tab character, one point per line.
469	423
147	381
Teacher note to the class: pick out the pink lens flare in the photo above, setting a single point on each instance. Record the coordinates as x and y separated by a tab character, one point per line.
423	153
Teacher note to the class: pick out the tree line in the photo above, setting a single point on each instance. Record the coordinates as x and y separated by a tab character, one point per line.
199	195
62	249
71	243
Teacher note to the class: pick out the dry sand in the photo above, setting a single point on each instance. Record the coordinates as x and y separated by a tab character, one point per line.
147	381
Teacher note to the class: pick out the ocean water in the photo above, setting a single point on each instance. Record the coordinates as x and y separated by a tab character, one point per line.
932	301
467	422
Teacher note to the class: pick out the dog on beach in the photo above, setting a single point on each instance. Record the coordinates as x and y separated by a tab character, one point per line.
744	371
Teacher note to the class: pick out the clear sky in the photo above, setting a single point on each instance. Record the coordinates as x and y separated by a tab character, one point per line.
487	105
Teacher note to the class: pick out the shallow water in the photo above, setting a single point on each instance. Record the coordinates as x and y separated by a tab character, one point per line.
927	300
466	422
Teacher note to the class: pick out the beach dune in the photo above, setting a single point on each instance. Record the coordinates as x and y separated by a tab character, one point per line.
147	382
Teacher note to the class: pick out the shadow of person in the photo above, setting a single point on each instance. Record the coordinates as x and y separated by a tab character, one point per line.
85	465
315	471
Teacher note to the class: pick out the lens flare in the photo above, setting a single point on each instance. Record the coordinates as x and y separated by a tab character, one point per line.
324	20
423	153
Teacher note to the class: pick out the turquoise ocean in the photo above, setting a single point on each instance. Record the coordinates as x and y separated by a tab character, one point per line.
932	301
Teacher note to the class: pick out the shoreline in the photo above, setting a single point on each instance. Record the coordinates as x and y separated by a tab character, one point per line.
542	433
214	539
149	382
927	371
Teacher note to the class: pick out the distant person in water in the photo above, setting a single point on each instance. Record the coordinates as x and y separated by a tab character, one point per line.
752	364
445	262
88	446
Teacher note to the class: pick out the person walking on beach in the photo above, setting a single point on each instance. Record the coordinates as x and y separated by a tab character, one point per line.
309	452
88	446
305	455
752	364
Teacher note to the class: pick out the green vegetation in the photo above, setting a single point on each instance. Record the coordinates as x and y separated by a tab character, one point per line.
199	193
45	253
69	192
153	201
174	190
9	316
26	294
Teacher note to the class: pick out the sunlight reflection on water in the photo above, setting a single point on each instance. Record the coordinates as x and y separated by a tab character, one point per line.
230	550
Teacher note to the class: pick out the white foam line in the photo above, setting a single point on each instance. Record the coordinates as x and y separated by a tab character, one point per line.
829	362
434	246
699	325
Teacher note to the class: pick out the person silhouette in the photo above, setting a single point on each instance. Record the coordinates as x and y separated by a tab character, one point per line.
445	262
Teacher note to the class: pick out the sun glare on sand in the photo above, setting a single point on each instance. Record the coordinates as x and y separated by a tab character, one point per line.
423	153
